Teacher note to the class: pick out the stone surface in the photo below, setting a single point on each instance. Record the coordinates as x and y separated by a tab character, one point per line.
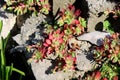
84	55
95	37
61	4
95	8
85	62
42	71
9	21
31	31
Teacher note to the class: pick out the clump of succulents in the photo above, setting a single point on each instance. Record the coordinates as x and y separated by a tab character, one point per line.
28	6
68	25
107	56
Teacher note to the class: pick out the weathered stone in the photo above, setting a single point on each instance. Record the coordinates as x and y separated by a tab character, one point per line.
42	71
31	31
94	37
95	8
61	4
9	21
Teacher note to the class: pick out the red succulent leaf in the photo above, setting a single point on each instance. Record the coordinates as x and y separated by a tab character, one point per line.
76	22
77	13
61	13
115	78
43	50
49	50
97	75
61	40
65	26
58	31
104	79
71	7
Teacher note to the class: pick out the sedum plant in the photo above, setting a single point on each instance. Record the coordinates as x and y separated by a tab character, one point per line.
107	56
28	6
110	51
6	71
68	25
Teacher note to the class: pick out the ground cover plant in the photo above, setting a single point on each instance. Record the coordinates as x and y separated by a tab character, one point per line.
107	56
28	6
66	25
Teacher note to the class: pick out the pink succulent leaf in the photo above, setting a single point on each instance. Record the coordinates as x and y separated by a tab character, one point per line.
45	44
48	41
50	36
42	0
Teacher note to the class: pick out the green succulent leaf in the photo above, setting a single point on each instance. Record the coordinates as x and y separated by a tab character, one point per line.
78	30
82	21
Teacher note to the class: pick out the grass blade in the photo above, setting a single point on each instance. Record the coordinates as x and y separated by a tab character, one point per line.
1	24
18	71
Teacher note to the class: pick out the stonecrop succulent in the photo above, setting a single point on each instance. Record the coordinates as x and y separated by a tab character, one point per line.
28	6
107	56
68	25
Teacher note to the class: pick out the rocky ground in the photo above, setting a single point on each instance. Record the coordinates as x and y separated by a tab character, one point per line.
30	32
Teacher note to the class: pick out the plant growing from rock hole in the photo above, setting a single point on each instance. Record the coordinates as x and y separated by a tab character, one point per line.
108	58
28	6
107	26
68	25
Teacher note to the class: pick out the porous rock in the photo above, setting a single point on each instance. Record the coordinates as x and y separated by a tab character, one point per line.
95	37
97	7
42	71
9	21
31	31
61	4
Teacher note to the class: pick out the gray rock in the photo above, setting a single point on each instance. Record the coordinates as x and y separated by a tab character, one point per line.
42	71
31	31
61	4
9	21
96	7
94	37
85	61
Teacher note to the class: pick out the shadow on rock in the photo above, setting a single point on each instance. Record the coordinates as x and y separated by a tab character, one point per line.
99	26
49	70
